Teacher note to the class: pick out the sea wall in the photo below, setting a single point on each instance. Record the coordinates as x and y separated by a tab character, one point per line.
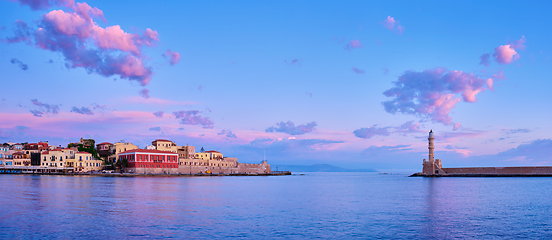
242	168
500	170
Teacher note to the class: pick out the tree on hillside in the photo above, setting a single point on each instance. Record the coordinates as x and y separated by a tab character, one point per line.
202	150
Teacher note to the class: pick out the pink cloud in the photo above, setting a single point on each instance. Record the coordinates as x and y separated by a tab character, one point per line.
353	44
173	57
358	71
456	126
84	44
391	24
433	93
408	127
506	54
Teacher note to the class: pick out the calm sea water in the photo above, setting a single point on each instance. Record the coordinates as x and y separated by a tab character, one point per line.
314	205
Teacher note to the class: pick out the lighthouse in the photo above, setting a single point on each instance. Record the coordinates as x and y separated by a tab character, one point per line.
431	138
432	166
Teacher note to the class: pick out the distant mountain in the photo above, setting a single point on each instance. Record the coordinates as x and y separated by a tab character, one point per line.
316	168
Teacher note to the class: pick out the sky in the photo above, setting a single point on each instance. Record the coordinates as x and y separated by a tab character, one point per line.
356	84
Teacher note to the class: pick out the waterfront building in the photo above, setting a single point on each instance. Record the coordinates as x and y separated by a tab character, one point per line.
4	152
186	152
21	159
150	161
56	157
36	147
84	162
16	147
214	155
87	143
105	149
204	156
119	148
165	145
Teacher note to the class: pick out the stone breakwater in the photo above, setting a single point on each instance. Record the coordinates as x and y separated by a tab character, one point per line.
542	171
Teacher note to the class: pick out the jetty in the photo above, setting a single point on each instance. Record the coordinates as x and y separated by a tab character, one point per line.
433	168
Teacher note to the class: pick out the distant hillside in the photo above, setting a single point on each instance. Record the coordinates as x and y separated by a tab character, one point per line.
316	168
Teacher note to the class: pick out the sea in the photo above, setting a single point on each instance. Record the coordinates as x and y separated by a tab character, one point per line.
300	206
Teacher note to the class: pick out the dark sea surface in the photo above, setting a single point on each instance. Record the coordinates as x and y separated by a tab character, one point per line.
314	205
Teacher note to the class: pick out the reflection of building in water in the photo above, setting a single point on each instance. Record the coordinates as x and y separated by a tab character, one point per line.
432	168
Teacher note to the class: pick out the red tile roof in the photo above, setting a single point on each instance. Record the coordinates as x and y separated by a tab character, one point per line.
147	151
213	151
162	140
83	153
104	143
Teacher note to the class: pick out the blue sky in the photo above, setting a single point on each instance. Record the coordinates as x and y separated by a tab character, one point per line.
247	67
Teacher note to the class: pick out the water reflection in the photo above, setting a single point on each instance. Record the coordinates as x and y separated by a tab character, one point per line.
317	205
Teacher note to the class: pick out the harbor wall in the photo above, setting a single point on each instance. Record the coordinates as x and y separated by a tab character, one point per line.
500	170
242	168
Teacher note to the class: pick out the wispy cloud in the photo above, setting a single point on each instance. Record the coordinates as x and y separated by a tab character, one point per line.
158	114
144	93
392	24
227	133
485	59
21	65
290	128
172	57
48	108
155	129
193	118
353	44
358	71
152	100
370	132
82	110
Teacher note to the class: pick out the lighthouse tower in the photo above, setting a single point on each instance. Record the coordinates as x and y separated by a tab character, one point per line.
432	166
431	138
